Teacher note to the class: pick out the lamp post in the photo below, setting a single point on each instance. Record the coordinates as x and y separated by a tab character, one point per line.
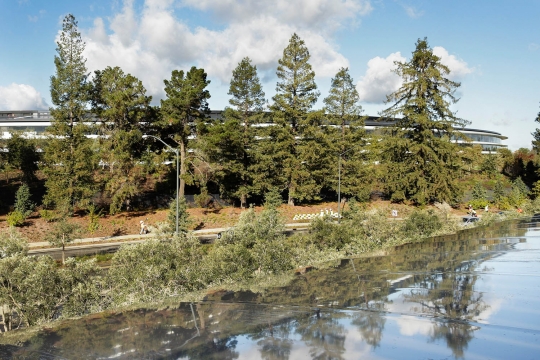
339	184
177	174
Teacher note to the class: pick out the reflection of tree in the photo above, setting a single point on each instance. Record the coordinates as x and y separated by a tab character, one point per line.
457	336
371	326
274	342
323	334
450	294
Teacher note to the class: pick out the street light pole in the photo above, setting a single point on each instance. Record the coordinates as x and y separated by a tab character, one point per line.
177	174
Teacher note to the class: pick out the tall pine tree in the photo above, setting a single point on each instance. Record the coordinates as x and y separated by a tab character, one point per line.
231	144
186	106
536	135
120	102
68	158
347	136
423	160
296	94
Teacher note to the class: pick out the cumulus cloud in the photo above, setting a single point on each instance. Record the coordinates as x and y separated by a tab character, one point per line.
152	42
21	97
458	68
380	80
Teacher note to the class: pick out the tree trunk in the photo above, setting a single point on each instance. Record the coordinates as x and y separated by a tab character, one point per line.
182	168
291	199
243	201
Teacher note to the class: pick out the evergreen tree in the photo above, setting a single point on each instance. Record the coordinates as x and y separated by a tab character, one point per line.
186	106
23	203
22	155
478	192
498	191
68	158
347	134
490	165
120	102
231	144
296	94
423	161
536	135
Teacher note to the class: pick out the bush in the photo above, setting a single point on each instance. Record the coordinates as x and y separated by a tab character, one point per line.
12	243
15	218
23	204
48	215
421	224
479	203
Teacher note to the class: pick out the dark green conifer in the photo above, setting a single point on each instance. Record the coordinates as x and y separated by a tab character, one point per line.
296	94
185	107
120	102
423	161
68	157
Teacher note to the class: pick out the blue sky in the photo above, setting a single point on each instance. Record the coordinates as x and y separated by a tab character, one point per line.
491	46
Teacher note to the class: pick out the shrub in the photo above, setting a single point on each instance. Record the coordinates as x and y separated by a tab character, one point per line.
11	243
479	203
23	204
15	218
48	215
421	224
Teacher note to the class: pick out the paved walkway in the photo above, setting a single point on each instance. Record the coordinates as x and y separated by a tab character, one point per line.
135	238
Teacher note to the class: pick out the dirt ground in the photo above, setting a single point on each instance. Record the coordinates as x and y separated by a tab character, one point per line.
36	228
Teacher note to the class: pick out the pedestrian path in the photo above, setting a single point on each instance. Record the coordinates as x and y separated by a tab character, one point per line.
137	238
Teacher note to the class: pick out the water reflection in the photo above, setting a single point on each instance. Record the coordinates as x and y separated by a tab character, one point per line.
465	296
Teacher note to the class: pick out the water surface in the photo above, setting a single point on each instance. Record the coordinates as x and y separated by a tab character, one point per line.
474	295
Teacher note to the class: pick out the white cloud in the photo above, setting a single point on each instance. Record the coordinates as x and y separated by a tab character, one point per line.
380	80
458	68
534	46
155	41
412	12
21	97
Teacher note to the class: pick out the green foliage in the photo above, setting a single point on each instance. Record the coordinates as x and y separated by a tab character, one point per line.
93	218
203	199
421	224
519	186
478	192
36	291
296	94
479	203
183	216
48	215
12	243
22	155
23	204
490	165
422	161
63	233
120	101
498	191
231	144
536	135
186	105
15	218
68	160
348	138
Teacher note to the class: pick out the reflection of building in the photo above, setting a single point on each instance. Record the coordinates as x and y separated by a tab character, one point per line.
36	122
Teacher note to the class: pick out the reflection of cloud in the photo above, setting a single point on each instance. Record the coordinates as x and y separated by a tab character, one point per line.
355	345
494	307
409	326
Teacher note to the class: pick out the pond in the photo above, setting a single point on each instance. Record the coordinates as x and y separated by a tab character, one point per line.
473	295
